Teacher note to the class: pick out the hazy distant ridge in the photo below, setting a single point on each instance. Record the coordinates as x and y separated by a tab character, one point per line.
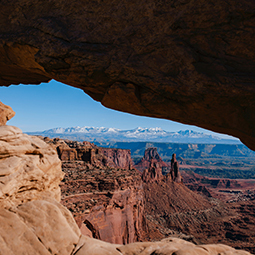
102	134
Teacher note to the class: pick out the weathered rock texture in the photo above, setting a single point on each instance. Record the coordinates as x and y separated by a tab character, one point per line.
237	229
42	227
168	246
152	166
33	222
184	60
38	227
175	173
91	154
151	154
153	173
107	203
6	113
31	219
29	168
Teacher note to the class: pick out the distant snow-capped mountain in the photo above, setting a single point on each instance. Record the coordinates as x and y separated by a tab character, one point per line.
102	134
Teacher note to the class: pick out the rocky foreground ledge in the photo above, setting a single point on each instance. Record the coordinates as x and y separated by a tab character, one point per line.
32	221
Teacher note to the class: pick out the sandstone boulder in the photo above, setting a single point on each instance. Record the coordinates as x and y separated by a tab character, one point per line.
6	113
107	203
29	168
33	222
29	172
167	246
37	227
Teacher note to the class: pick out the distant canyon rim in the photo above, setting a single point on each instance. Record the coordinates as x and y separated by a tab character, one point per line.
187	61
106	197
183	60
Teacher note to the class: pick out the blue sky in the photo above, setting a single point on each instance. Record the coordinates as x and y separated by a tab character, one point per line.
53	104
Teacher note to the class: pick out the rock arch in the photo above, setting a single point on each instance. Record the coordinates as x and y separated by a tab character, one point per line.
187	61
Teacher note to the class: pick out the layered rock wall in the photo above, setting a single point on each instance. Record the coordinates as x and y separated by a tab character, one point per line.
151	154
92	154
33	222
30	169
107	203
153	173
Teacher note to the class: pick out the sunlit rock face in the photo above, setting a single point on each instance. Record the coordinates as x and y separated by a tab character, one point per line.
120	221
168	246
102	190
91	154
38	227
32	221
6	113
188	61
145	162
29	168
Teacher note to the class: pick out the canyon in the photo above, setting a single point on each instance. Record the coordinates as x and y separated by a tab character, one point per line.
155	205
188	61
33	221
102	190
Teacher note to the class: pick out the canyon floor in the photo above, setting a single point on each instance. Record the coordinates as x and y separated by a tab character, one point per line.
229	220
113	204
107	201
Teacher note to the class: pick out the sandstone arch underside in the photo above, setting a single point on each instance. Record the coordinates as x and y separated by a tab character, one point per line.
191	61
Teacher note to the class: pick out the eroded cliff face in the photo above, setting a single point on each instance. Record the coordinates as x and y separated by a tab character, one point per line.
92	154
102	190
153	173
188	61
30	169
107	203
151	154
6	113
32	221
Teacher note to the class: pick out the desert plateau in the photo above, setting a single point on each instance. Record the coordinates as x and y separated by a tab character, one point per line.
125	188
148	206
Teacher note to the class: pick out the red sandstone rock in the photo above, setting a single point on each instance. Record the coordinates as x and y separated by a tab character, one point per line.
152	164
102	191
153	173
174	172
46	227
150	153
6	113
103	200
232	202
92	154
107	203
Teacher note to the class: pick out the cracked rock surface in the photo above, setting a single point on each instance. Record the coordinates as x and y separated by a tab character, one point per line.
184	60
32	221
6	113
38	227
29	168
